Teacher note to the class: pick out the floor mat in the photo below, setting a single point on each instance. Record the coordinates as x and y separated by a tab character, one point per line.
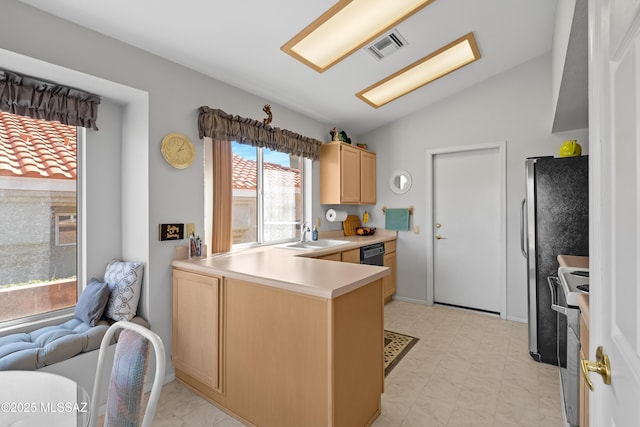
396	346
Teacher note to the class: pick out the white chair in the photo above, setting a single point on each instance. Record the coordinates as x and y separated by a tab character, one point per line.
124	399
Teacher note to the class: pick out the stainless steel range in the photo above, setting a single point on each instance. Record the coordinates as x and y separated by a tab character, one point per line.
564	300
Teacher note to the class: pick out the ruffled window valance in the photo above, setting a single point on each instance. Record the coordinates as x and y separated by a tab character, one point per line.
39	99
218	125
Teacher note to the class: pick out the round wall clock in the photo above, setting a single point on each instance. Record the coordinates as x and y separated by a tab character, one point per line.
178	150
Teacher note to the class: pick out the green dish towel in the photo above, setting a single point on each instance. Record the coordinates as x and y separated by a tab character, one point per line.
396	219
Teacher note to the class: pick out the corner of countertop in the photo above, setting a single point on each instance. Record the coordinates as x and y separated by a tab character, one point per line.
573	261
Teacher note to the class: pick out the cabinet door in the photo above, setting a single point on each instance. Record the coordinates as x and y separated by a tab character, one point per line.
389	281
368	177
331	257
195	330
352	255
350	173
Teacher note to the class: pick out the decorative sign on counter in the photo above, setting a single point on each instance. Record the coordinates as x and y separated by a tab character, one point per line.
170	232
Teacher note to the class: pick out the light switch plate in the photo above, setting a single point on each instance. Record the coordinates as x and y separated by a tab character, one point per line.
191	228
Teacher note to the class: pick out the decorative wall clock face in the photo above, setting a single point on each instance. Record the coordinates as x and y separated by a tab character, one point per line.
178	150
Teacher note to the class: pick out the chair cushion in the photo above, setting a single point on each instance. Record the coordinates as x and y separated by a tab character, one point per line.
124	280
124	402
92	302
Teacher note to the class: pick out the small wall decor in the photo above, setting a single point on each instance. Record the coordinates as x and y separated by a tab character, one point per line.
170	232
339	136
269	118
177	150
400	181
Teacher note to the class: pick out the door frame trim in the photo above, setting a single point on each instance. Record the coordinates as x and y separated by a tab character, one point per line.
501	146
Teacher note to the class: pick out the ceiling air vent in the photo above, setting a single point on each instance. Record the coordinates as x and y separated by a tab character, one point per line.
386	45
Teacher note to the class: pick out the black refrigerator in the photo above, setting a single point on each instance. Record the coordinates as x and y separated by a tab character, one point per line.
554	221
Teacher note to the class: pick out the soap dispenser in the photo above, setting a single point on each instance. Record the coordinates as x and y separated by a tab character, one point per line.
314	233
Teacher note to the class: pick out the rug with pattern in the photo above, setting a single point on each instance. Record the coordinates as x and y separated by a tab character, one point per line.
396	346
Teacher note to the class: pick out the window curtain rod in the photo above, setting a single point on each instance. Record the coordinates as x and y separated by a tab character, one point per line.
40	99
218	125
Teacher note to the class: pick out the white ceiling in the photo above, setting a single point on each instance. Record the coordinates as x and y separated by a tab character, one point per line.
239	42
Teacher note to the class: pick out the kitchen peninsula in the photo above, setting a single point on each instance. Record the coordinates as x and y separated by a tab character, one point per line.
278	338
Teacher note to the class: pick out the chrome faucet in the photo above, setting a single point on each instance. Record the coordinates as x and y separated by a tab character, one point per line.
304	229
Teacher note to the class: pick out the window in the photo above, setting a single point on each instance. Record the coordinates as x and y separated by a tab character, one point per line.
267	195
66	229
38	197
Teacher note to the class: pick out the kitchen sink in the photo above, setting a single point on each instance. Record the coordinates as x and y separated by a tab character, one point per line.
315	244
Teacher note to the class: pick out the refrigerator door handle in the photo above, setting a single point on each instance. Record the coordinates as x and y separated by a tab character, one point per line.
523	231
553	286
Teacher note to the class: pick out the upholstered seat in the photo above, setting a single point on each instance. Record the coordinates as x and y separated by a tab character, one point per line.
52	344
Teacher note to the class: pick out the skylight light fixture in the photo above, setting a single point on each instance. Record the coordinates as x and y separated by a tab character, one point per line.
438	64
345	28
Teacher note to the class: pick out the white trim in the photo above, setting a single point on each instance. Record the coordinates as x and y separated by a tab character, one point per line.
502	153
518	319
411	300
37	184
81	207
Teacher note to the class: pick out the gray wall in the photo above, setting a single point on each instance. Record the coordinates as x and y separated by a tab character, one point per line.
515	107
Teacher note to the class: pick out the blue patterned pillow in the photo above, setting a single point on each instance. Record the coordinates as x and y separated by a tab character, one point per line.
124	280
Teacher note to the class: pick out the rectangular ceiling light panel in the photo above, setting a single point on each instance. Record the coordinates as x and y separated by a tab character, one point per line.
440	63
345	28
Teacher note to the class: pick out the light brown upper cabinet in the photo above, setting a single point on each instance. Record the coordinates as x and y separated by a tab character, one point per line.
347	175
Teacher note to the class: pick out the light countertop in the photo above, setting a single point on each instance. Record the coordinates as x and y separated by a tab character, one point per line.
293	270
573	261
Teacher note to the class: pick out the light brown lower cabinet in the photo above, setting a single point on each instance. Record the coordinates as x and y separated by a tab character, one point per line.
389	281
331	257
584	354
352	255
197	338
289	359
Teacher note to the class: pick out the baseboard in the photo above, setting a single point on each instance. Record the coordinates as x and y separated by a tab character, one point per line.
411	300
517	319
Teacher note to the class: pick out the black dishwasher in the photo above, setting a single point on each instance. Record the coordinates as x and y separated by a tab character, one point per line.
372	254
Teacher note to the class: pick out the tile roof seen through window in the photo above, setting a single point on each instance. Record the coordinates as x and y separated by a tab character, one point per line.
33	148
244	173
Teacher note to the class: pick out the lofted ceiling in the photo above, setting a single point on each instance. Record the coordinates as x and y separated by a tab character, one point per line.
238	42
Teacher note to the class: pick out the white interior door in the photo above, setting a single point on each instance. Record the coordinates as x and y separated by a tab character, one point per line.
467	237
614	138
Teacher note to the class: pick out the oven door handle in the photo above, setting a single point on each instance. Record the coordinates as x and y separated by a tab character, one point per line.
553	287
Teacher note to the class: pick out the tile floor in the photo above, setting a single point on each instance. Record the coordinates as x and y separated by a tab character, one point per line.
468	369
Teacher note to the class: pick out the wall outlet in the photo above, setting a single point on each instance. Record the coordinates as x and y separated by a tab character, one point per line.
191	228
318	222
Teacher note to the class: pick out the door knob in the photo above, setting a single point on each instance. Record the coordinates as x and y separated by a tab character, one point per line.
600	366
439	237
